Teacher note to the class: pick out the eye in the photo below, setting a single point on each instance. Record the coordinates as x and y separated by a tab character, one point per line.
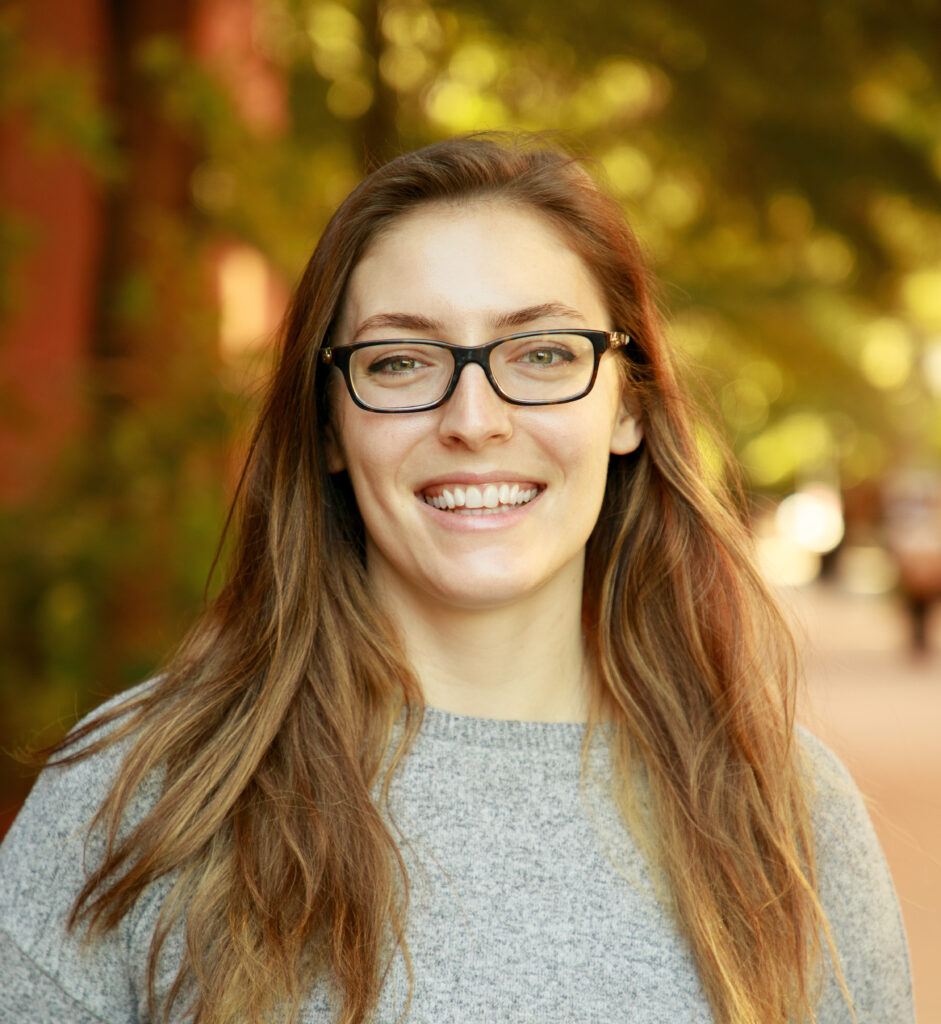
396	360
399	364
548	352
546	356
394	364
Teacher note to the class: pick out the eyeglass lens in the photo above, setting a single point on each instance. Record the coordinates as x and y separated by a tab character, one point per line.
403	373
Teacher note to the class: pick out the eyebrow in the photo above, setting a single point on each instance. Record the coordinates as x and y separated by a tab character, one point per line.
424	324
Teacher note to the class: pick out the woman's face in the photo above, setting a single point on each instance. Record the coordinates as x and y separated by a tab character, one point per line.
468	274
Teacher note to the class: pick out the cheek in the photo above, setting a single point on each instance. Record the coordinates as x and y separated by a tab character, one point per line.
589	472
583	440
375	450
363	461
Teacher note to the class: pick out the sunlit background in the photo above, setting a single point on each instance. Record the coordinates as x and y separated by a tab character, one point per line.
166	168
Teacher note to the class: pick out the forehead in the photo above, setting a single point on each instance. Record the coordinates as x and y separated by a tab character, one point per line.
459	261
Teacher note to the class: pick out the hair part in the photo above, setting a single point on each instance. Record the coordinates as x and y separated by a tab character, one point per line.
291	702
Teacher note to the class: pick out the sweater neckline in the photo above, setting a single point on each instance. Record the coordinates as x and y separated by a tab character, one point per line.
500	732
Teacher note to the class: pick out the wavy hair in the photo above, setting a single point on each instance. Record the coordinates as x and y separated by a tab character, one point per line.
277	720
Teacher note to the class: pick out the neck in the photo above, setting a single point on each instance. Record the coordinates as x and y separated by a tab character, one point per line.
522	661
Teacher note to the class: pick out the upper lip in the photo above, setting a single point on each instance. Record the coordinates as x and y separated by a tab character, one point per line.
472	479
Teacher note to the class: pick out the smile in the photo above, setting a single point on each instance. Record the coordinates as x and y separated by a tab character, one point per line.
485	500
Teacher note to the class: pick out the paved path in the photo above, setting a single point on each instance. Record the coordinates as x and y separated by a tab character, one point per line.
880	710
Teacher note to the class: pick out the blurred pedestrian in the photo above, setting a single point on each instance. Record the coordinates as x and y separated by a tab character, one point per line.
912	515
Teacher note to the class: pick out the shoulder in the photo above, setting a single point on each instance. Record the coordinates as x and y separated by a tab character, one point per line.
835	799
848	850
45	859
857	894
65	798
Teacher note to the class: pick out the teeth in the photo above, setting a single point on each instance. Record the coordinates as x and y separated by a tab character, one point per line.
482	501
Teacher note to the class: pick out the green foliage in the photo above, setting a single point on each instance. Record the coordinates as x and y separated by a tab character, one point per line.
102	574
55	99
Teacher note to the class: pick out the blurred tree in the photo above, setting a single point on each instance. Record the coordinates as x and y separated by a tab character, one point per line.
103	566
143	296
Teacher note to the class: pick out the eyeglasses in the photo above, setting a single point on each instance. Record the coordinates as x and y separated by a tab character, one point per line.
412	375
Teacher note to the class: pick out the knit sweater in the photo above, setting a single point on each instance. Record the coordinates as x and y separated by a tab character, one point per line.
530	902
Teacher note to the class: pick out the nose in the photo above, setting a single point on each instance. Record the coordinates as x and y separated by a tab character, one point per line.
475	415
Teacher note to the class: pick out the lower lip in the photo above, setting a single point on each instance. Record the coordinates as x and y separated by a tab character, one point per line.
474	520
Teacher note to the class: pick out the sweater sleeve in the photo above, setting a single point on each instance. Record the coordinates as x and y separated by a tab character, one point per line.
859	899
49	974
30	996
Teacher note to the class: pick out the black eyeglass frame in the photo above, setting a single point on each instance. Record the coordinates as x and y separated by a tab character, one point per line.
601	342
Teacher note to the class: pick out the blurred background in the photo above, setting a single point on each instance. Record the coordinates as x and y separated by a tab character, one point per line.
166	167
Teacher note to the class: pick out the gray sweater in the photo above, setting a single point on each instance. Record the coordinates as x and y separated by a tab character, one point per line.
530	902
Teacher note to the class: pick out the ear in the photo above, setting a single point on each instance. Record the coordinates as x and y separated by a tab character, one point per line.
336	459
627	433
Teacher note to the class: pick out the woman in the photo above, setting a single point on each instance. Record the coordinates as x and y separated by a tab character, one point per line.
492	720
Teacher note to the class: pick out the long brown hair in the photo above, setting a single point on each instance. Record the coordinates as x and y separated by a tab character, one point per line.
280	714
